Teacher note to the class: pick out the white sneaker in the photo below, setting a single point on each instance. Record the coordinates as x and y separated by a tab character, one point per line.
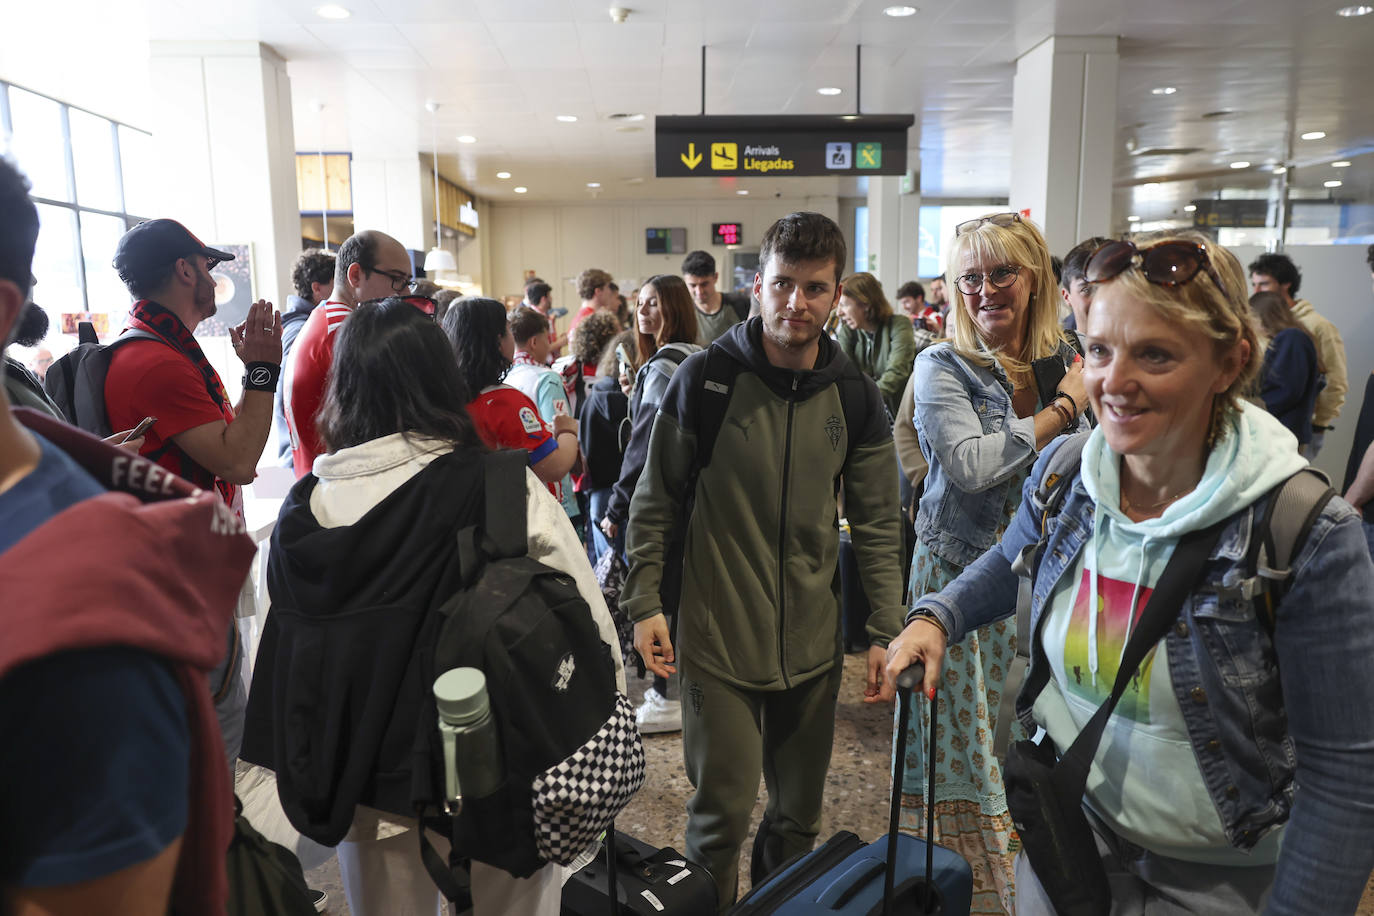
658	714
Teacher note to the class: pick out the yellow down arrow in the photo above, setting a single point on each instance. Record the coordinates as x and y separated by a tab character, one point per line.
691	158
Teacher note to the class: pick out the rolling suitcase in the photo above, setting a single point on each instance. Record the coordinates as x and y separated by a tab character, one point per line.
641	879
898	875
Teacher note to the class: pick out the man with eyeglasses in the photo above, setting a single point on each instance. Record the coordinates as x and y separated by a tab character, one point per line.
369	265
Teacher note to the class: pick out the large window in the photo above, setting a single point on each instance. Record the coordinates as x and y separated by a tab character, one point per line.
90	178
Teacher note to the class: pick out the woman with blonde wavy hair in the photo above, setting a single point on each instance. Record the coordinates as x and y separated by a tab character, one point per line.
982	421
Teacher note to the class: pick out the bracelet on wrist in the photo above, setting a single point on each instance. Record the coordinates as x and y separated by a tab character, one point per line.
1065	418
1068	397
260	376
931	618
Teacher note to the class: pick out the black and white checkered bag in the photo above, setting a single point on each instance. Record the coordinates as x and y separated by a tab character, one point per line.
577	799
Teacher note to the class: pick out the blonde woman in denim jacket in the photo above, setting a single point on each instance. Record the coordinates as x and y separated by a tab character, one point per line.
1233	778
981	422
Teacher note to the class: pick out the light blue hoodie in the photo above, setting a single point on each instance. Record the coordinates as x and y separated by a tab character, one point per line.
1145	772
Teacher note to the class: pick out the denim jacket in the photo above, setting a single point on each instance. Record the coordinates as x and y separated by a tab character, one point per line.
975	444
1234	682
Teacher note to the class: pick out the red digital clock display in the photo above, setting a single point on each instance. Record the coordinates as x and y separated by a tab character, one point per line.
726	233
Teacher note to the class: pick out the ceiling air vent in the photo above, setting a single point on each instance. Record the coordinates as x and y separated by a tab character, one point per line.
1167	151
1223	114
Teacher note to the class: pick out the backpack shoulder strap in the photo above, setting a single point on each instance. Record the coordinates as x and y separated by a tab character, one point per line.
1277	537
504	525
85	333
717	381
852	403
1060	471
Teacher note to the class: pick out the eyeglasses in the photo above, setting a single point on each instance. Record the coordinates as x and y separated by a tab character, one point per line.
997	219
999	277
423	303
1169	264
400	282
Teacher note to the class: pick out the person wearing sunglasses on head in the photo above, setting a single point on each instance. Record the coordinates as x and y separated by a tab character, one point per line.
1227	747
981	421
369	265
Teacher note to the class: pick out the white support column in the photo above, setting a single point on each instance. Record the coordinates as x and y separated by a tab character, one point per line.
885	230
1064	133
225	147
910	254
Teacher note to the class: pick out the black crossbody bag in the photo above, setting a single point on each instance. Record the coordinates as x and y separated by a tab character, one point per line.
1046	796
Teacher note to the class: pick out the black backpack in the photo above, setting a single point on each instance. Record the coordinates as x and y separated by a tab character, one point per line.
76	381
569	742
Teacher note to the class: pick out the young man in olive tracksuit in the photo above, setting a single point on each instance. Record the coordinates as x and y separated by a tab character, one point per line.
759	621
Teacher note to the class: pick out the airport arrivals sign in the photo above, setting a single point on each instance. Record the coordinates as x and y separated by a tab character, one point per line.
749	146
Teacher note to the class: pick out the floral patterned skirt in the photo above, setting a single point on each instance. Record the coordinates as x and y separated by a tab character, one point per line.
971	814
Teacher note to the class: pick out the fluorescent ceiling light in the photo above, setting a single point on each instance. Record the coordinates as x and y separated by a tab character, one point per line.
1333	183
566	119
1191	208
742	192
1348	11
1132	219
503	174
1314	135
897	12
467	138
593	184
332	11
1343	164
1280	169
1163	90
520	189
1240	164
849	117
828	90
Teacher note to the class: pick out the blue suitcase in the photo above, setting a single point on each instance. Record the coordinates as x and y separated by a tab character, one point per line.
898	875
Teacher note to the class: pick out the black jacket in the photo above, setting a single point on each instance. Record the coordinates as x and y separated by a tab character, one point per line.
336	693
599	431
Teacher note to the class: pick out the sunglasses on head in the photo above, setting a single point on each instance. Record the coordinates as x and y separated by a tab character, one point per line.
997	219
1168	264
423	303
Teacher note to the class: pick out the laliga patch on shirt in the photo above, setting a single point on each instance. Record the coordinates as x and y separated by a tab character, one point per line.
530	420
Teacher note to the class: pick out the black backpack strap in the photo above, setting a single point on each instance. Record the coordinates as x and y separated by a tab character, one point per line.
717	382
85	333
1278	535
504	523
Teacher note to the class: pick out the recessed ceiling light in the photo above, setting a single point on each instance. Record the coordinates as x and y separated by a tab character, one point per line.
520	189
593	184
467	138
1314	135
829	90
1191	208
1333	183
1348	11
1163	90
1343	164
1280	169
566	119
897	12
849	117
1240	164
742	192
1132	219
332	11
503	174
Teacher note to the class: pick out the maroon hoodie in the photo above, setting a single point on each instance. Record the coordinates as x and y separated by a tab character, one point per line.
171	560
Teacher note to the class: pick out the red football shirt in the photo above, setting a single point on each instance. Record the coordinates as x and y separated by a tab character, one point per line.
150	379
507	418
305	377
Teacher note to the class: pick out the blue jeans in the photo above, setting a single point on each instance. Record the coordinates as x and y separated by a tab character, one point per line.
597	544
1369	536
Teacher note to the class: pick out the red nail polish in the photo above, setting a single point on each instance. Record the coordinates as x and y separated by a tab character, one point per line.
931	693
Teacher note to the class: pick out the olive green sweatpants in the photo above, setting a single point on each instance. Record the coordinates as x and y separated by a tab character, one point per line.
729	737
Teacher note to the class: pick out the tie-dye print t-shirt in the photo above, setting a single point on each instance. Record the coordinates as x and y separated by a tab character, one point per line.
1145	781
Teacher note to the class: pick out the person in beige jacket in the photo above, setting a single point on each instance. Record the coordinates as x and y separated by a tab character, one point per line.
1276	273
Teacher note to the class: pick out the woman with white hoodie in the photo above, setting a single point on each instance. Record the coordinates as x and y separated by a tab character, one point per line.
1233	776
368	519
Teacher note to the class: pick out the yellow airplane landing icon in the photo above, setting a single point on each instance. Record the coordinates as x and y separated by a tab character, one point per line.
725	156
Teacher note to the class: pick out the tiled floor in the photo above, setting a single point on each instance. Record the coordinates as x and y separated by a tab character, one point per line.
856	789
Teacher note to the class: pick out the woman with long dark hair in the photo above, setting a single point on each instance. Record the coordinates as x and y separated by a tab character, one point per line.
1290	377
505	417
399	434
876	339
667	324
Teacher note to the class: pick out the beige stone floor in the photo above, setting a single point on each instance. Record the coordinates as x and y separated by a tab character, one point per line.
856	789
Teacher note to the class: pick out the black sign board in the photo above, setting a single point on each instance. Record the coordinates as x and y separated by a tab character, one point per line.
726	233
773	146
1234	214
665	241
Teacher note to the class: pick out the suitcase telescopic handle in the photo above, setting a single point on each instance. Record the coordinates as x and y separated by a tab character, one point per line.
907	681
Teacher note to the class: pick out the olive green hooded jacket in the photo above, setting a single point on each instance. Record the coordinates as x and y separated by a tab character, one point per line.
760	604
